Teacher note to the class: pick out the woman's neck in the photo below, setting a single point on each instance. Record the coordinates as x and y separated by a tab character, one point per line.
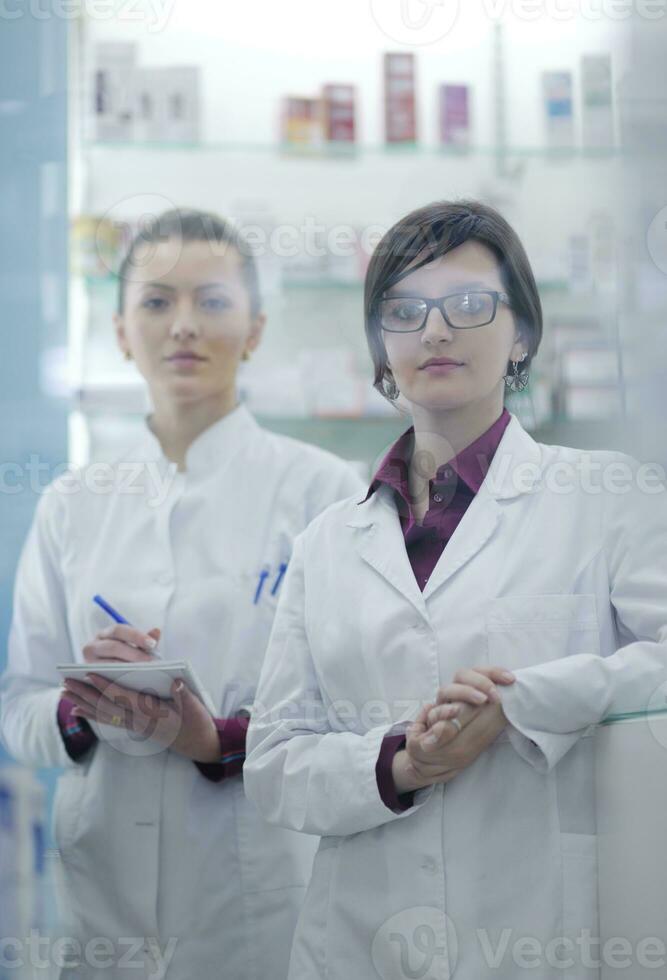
439	436
176	425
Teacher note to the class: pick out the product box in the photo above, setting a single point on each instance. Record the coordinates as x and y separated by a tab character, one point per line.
558	108
454	115
338	112
400	104
301	121
113	90
597	121
167	104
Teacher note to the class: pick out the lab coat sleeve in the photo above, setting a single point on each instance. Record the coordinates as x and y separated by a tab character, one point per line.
301	770
551	705
30	689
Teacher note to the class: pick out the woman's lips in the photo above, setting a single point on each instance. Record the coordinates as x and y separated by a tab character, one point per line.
440	368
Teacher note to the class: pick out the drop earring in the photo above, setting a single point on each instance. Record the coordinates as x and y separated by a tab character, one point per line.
517	380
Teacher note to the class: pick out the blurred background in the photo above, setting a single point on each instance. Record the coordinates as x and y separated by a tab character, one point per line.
315	127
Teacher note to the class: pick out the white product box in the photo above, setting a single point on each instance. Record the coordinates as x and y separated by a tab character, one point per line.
557	98
113	90
167	104
597	121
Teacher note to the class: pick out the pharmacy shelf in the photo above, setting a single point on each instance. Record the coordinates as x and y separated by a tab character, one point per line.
342	150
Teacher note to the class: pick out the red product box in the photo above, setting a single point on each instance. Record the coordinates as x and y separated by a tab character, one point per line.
400	106
338	102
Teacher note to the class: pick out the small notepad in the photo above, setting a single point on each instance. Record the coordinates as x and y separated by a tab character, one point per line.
152	677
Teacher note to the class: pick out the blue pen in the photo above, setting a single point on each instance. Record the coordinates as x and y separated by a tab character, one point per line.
279	577
115	615
263	575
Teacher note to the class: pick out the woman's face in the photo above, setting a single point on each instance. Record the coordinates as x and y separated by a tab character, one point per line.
482	352
186	319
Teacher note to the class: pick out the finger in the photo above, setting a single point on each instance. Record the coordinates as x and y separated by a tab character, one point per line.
445	712
461	692
118	692
79	701
85	692
473	679
110	649
420	724
130	636
438	736
500	675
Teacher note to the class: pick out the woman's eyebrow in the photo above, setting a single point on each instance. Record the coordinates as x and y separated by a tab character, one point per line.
173	289
466	284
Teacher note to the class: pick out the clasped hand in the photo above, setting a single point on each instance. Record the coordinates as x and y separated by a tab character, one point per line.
182	724
435	749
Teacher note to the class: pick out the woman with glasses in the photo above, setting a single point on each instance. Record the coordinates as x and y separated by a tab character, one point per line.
168	870
431	687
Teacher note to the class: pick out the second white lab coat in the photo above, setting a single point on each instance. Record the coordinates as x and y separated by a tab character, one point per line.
152	852
495	871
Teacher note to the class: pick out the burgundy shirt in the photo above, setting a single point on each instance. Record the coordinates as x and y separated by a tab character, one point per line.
450	494
78	737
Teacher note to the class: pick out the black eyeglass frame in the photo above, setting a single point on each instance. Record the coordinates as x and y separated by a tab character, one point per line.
439	301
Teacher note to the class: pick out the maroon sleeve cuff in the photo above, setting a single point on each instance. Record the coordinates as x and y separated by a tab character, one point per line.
76	733
231	733
391	744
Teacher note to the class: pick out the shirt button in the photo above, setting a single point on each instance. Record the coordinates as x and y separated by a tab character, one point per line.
447	471
437	497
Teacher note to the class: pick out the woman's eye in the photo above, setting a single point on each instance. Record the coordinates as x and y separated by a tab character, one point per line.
470	303
155	303
215	304
407	311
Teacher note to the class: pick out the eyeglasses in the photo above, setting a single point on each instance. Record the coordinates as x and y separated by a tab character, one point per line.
472	308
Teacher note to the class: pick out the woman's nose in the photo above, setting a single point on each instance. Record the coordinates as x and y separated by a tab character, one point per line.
184	327
436	327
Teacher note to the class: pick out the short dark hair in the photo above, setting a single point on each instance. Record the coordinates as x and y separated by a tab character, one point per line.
191	225
430	232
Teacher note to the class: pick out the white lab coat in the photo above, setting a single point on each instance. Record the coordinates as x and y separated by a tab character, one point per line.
565	587
151	850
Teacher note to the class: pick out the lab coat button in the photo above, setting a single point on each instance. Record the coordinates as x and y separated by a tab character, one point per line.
430	866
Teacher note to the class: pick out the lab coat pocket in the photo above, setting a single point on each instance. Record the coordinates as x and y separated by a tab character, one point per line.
532	629
67	803
580	904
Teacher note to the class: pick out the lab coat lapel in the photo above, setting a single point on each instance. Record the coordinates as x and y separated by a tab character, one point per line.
379	541
515	469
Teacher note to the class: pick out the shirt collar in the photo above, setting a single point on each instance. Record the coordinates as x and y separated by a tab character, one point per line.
213	446
470	465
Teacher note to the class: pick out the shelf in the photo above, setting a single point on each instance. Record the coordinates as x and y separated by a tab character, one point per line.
340	151
93	282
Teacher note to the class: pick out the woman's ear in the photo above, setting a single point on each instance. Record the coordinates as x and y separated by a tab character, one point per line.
256	332
121	337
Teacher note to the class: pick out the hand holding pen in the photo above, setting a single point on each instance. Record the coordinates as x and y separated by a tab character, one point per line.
121	642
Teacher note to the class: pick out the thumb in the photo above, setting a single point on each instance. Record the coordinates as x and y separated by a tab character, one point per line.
155	633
